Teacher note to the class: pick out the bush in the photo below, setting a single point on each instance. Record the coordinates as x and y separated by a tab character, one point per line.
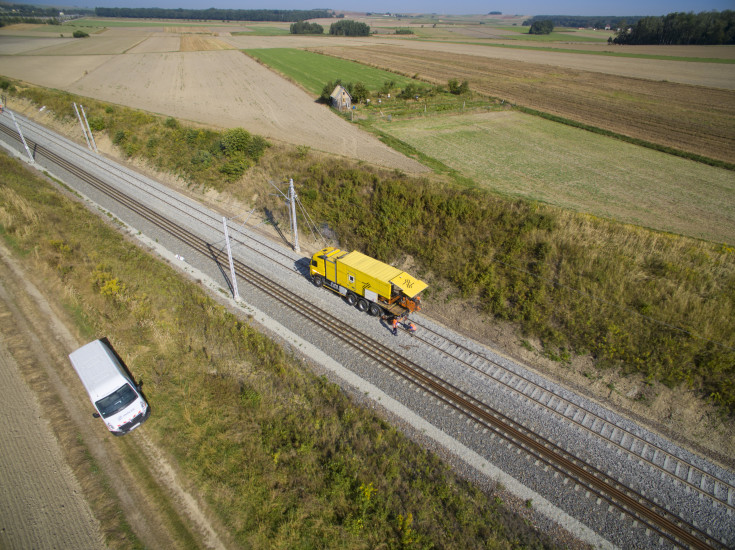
349	28
541	27
96	123
80	34
303	27
458	89
235	167
359	92
6	85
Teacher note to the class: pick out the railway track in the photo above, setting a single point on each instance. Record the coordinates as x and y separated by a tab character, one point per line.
654	516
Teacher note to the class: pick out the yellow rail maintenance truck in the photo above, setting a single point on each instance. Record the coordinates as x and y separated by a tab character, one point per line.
368	284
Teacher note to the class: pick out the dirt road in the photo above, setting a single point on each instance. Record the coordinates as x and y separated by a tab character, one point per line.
42	505
47	425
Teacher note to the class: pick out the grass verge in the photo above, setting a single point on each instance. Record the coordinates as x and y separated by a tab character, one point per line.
282	456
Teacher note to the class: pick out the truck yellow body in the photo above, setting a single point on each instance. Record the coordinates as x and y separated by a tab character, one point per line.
366	283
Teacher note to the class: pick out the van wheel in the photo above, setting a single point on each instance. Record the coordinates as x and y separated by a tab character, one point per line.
374	310
351	299
362	305
318	280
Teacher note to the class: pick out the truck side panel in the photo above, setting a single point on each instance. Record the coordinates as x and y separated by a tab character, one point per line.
357	281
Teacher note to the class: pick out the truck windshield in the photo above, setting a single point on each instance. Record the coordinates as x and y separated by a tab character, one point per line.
116	401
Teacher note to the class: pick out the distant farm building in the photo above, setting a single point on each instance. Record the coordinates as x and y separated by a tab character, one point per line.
341	99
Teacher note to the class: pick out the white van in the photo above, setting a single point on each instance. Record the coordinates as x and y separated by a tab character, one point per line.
112	392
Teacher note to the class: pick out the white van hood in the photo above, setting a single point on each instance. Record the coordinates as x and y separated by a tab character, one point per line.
126	415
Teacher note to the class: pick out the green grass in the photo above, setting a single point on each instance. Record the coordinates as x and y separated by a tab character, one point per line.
263	31
558	35
524	156
313	70
281	456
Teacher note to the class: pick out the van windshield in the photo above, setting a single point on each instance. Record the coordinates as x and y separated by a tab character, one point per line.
116	401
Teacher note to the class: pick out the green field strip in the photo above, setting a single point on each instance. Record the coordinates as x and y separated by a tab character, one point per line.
313	70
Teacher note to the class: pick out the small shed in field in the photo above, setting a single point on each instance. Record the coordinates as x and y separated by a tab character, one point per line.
341	99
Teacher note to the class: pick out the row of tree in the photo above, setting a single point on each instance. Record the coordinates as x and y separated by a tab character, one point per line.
25	10
349	28
595	22
215	14
705	28
340	28
304	27
544	26
33	20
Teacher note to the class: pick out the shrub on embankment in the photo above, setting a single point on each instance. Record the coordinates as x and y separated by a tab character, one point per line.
645	302
197	155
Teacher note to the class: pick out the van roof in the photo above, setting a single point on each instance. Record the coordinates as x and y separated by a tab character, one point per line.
98	369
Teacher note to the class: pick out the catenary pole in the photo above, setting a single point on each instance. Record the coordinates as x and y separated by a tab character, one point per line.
235	293
294	227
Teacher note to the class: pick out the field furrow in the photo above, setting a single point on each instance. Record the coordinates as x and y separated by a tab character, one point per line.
690	118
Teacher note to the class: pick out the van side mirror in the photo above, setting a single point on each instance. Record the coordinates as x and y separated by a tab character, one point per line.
95	415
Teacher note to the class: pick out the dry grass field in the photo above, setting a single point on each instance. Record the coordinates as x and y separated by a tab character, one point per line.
524	156
198	43
690	118
158	43
212	86
228	89
93	45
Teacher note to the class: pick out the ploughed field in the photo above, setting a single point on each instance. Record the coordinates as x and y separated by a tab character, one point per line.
695	119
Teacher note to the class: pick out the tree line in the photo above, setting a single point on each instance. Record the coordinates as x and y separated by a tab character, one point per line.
541	27
304	27
596	22
705	28
215	14
349	28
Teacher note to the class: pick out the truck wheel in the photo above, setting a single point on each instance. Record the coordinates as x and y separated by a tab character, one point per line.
318	280
351	299
374	310
362	305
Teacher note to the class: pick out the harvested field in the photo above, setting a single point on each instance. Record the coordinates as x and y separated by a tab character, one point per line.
93	45
227	89
190	43
690	118
48	71
15	45
525	156
188	30
158	43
